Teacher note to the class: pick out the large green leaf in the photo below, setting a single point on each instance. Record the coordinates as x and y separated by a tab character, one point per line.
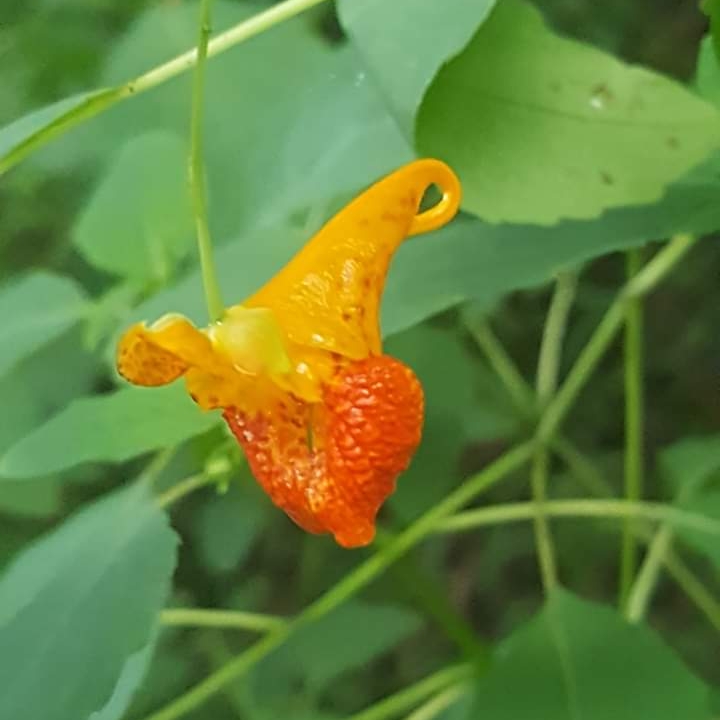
132	675
542	128
108	428
138	223
30	393
225	525
577	659
77	604
36	499
36	309
403	43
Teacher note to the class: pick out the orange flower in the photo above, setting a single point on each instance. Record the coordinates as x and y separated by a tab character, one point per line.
327	422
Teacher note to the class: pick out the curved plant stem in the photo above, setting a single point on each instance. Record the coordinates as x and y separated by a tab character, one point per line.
213	298
693	588
516	512
585	470
547	377
104	99
349	585
154	468
409	697
553	336
516	385
633	365
442	701
606	331
193	617
582	467
647	578
183	488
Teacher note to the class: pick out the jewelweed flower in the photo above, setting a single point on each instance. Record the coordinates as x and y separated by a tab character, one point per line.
327	422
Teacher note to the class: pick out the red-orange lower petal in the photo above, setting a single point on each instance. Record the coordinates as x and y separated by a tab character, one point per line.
331	466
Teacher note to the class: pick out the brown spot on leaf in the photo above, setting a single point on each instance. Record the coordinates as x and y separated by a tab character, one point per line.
601	96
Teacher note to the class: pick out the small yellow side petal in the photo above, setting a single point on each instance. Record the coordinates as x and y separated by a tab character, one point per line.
163	352
173	347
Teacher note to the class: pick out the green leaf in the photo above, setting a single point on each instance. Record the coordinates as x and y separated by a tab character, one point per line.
172	669
37	308
20	137
31	392
688	463
132	675
346	639
541	128
138	223
226	525
108	428
403	43
37	499
260	164
84	598
706	502
578	659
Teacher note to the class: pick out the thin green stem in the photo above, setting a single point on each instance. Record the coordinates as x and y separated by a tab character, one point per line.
582	507
350	585
194	617
693	588
105	99
553	336
518	388
654	271
647	578
407	698
633	364
586	472
155	467
547	378
581	467
213	298
524	397
442	701
606	331
544	545
182	488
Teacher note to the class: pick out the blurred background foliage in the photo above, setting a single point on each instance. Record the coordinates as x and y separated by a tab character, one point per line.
65	212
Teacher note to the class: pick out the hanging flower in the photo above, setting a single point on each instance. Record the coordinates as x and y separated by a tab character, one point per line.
327	422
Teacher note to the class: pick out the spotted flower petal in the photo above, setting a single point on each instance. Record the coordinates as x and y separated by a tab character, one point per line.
326	420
